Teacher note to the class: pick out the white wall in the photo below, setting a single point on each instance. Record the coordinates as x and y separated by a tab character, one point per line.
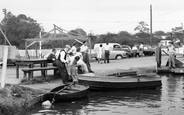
32	52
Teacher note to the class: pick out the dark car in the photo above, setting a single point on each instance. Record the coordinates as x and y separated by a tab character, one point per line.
128	50
9	62
148	50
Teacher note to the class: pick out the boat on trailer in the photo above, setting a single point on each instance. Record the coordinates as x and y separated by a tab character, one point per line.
119	81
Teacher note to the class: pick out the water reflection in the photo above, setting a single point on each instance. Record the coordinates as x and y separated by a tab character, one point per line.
172	94
168	100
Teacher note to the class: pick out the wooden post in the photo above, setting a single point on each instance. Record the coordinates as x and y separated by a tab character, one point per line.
40	44
26	52
151	25
5	57
90	47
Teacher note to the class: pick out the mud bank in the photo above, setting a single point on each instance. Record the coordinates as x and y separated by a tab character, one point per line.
15	99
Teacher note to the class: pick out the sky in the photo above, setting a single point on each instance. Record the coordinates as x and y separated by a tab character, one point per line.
99	16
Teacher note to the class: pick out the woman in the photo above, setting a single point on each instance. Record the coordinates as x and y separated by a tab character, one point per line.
99	54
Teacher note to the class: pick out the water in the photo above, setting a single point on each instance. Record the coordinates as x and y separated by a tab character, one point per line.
169	100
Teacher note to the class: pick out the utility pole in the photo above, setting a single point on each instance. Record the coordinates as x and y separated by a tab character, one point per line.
151	25
5	24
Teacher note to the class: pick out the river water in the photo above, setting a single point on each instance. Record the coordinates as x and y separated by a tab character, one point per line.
168	100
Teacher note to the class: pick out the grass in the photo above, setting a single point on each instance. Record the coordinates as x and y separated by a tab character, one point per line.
14	99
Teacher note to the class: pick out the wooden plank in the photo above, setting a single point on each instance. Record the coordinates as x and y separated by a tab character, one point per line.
37	69
67	91
57	38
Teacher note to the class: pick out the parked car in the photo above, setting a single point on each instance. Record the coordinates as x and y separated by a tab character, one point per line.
116	51
9	62
128	49
148	50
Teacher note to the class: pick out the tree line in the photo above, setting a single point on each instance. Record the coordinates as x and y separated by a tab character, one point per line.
20	27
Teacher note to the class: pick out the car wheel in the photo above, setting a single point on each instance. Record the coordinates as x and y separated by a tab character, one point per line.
119	57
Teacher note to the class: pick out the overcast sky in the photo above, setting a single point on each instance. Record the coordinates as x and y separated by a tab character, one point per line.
99	16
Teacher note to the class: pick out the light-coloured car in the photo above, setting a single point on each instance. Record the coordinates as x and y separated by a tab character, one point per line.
116	51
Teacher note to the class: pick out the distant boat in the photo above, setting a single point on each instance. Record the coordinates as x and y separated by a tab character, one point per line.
179	70
119	81
67	93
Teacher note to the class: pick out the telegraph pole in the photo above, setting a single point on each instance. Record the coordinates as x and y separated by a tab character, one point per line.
5	24
151	25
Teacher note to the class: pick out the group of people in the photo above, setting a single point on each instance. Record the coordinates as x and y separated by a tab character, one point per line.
138	50
103	50
70	61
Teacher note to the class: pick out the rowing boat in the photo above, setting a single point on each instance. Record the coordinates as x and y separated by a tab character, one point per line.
119	81
67	93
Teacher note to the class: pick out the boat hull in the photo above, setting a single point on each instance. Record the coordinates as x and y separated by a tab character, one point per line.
118	83
70	94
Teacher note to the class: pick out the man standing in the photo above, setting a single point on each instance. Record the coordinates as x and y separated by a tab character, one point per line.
84	51
60	63
158	54
141	48
171	51
107	52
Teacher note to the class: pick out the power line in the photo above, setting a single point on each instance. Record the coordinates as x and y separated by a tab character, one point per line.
146	19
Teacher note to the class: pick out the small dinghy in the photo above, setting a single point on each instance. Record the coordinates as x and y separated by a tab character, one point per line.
69	92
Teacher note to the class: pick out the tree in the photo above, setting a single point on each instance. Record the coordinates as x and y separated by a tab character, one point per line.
19	28
77	31
178	32
159	33
142	27
124	37
109	38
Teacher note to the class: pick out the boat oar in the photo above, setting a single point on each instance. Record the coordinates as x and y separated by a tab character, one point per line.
68	85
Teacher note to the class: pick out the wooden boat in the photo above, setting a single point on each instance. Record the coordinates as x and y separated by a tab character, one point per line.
117	81
67	93
173	70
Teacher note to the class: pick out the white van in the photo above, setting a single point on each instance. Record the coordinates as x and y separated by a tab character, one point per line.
116	51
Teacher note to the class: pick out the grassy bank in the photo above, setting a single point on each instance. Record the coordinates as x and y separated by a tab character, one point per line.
14	99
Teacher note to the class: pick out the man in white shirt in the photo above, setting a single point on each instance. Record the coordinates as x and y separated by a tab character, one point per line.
171	51
135	51
60	63
73	49
141	48
107	52
84	51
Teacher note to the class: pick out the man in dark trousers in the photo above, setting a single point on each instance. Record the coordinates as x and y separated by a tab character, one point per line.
84	51
107	52
158	55
61	64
